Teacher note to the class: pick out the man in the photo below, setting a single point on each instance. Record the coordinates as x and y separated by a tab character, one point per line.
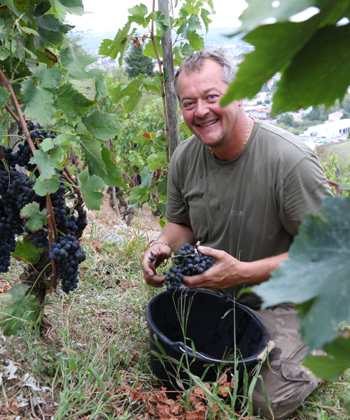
241	187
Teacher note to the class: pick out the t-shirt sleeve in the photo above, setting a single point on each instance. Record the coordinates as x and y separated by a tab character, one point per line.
302	191
176	209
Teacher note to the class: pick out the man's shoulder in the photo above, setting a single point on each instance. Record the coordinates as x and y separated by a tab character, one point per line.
283	139
190	145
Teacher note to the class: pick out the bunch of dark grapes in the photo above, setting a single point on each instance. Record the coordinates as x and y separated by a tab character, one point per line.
16	191
24	153
67	256
39	239
7	241
187	262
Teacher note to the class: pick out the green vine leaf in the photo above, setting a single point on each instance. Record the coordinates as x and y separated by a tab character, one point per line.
196	41
102	126
332	365
51	30
48	161
36	218
90	189
26	252
21	310
189	25
119	45
46	186
290	48
60	140
258	11
38	102
72	103
73	6
314	76
320	251
114	175
156	160
134	93
149	49
161	23
48	78
4	96
206	20
86	87
138	15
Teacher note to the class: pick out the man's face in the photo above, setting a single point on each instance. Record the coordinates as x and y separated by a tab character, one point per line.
200	94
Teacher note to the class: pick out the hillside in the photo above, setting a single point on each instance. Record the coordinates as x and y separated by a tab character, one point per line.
340	149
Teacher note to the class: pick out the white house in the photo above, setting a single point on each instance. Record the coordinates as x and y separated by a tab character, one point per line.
335	116
329	129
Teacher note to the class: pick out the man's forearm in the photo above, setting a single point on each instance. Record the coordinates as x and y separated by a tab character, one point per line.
175	235
260	271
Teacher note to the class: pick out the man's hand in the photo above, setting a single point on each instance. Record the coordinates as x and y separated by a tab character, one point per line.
226	272
151	260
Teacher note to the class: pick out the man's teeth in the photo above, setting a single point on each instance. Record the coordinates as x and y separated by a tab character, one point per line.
208	123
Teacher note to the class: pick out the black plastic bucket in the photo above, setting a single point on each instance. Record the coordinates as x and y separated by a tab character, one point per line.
212	322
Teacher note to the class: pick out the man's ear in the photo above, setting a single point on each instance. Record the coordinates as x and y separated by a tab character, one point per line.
240	102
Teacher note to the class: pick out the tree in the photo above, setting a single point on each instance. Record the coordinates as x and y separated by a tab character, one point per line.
346	104
316	276
137	63
286	119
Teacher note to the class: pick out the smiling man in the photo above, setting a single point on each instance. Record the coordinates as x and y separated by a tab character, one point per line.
241	187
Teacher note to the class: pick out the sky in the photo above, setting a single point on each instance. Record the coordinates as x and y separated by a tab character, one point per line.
109	15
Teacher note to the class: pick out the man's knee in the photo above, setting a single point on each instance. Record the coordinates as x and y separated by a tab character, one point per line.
286	390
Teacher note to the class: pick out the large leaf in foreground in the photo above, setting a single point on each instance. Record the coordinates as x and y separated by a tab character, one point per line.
291	49
317	275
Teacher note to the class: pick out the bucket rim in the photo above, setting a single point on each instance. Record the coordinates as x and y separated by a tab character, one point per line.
179	346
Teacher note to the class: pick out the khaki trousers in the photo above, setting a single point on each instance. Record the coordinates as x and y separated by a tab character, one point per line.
286	381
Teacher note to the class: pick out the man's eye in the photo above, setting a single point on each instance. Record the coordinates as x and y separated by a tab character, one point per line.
211	97
187	104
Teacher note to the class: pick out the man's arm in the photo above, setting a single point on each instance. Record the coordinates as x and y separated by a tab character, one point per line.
228	271
172	237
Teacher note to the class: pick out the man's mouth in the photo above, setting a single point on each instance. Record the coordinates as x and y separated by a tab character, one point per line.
208	123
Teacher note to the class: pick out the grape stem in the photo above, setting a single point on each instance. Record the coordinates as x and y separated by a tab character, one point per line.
13	115
68	177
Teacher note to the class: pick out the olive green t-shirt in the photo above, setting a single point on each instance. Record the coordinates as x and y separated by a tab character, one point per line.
250	207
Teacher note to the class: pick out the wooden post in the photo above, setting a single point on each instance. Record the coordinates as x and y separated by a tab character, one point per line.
168	63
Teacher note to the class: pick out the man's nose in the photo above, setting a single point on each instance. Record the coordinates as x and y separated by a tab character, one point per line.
202	109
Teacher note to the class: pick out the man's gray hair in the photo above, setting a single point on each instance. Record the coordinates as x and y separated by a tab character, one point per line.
195	62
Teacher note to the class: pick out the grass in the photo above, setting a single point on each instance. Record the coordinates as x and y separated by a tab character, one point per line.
90	357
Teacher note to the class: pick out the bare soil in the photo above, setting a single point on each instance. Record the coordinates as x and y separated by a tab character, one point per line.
108	221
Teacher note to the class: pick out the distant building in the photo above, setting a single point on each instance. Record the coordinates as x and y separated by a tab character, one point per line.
335	116
329	129
261	113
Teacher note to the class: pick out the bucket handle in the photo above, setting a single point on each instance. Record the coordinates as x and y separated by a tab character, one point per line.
269	347
201	355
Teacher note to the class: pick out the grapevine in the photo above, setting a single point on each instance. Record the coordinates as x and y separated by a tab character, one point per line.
16	190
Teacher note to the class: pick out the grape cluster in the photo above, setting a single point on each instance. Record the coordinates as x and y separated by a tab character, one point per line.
67	256
7	241
187	262
16	191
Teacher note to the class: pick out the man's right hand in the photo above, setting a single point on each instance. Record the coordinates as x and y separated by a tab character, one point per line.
161	252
